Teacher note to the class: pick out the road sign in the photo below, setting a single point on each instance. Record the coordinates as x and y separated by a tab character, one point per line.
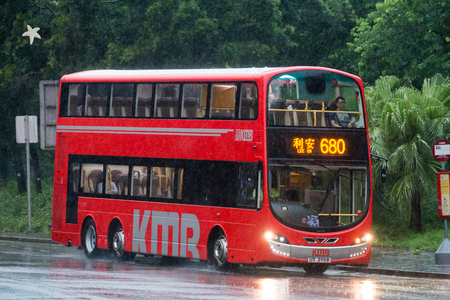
441	150
48	91
26	128
443	181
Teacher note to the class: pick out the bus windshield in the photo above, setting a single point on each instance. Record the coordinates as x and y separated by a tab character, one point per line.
318	196
315	98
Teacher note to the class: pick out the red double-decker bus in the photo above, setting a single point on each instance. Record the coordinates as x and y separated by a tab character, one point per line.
265	166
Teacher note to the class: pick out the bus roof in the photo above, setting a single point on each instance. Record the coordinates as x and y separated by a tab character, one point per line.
230	74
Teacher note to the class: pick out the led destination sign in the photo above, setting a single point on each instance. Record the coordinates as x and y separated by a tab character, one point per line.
317	146
329	144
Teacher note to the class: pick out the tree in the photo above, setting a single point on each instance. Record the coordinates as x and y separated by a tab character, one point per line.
406	38
404	124
204	33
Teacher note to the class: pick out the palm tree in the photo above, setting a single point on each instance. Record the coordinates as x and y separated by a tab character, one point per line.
406	123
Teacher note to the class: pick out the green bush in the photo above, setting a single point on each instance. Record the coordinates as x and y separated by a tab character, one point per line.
391	236
14	212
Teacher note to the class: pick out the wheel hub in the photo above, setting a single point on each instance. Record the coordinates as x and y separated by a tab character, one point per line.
118	243
91	239
221	250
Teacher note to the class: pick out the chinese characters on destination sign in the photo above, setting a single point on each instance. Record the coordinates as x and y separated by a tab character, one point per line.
325	146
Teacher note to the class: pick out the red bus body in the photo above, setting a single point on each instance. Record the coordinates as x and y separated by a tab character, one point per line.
173	228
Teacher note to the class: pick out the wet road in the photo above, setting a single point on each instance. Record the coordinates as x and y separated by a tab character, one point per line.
46	271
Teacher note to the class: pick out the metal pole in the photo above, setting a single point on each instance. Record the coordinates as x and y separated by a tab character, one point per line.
27	139
445	228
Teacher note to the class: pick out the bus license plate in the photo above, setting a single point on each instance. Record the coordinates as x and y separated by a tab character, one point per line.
319	259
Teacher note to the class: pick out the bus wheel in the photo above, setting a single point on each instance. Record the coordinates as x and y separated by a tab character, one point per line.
118	244
89	240
315	269
220	254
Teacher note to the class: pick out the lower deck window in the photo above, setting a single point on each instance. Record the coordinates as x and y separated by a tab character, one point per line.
209	183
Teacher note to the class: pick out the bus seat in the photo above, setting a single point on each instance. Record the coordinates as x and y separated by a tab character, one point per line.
303	118
164	107
247	109
75	180
291	119
115	174
278	116
117	104
331	107
143	190
94	178
190	107
97	106
122	183
136	186
143	107
158	186
319	116
315	198
222	114
127	107
74	102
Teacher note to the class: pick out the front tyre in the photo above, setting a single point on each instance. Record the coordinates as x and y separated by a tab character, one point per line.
315	269
89	240
118	245
220	254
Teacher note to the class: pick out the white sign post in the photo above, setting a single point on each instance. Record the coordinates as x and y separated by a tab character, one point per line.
26	133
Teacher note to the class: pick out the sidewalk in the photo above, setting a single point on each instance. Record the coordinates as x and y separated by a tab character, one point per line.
401	262
384	260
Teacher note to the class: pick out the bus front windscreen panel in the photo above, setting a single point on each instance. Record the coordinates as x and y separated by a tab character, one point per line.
315	98
316	196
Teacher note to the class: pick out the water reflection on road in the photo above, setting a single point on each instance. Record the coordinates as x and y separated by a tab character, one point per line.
40	271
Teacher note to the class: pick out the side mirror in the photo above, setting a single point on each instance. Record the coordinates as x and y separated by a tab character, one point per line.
383	175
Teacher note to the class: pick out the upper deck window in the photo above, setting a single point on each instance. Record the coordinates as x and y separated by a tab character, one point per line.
315	98
223	101
166	103
186	100
194	101
122	100
248	105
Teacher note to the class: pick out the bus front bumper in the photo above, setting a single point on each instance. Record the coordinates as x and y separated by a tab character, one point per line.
319	254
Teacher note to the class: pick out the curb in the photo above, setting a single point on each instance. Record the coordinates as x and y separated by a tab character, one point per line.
27	239
393	272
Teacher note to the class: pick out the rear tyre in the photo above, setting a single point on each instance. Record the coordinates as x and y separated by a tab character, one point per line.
220	254
118	245
315	269
89	240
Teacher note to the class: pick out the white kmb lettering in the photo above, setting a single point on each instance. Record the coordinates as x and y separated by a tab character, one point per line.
180	240
244	135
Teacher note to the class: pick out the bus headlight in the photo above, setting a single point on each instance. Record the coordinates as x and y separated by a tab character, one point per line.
271	236
362	239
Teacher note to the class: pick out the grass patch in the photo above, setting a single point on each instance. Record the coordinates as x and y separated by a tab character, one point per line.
14	212
429	240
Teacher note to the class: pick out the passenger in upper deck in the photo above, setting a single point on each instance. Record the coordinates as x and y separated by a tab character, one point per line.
341	120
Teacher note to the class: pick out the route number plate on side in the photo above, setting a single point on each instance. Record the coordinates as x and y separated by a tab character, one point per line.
319	259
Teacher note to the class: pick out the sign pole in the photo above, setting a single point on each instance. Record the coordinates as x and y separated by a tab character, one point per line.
441	151
27	139
26	133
